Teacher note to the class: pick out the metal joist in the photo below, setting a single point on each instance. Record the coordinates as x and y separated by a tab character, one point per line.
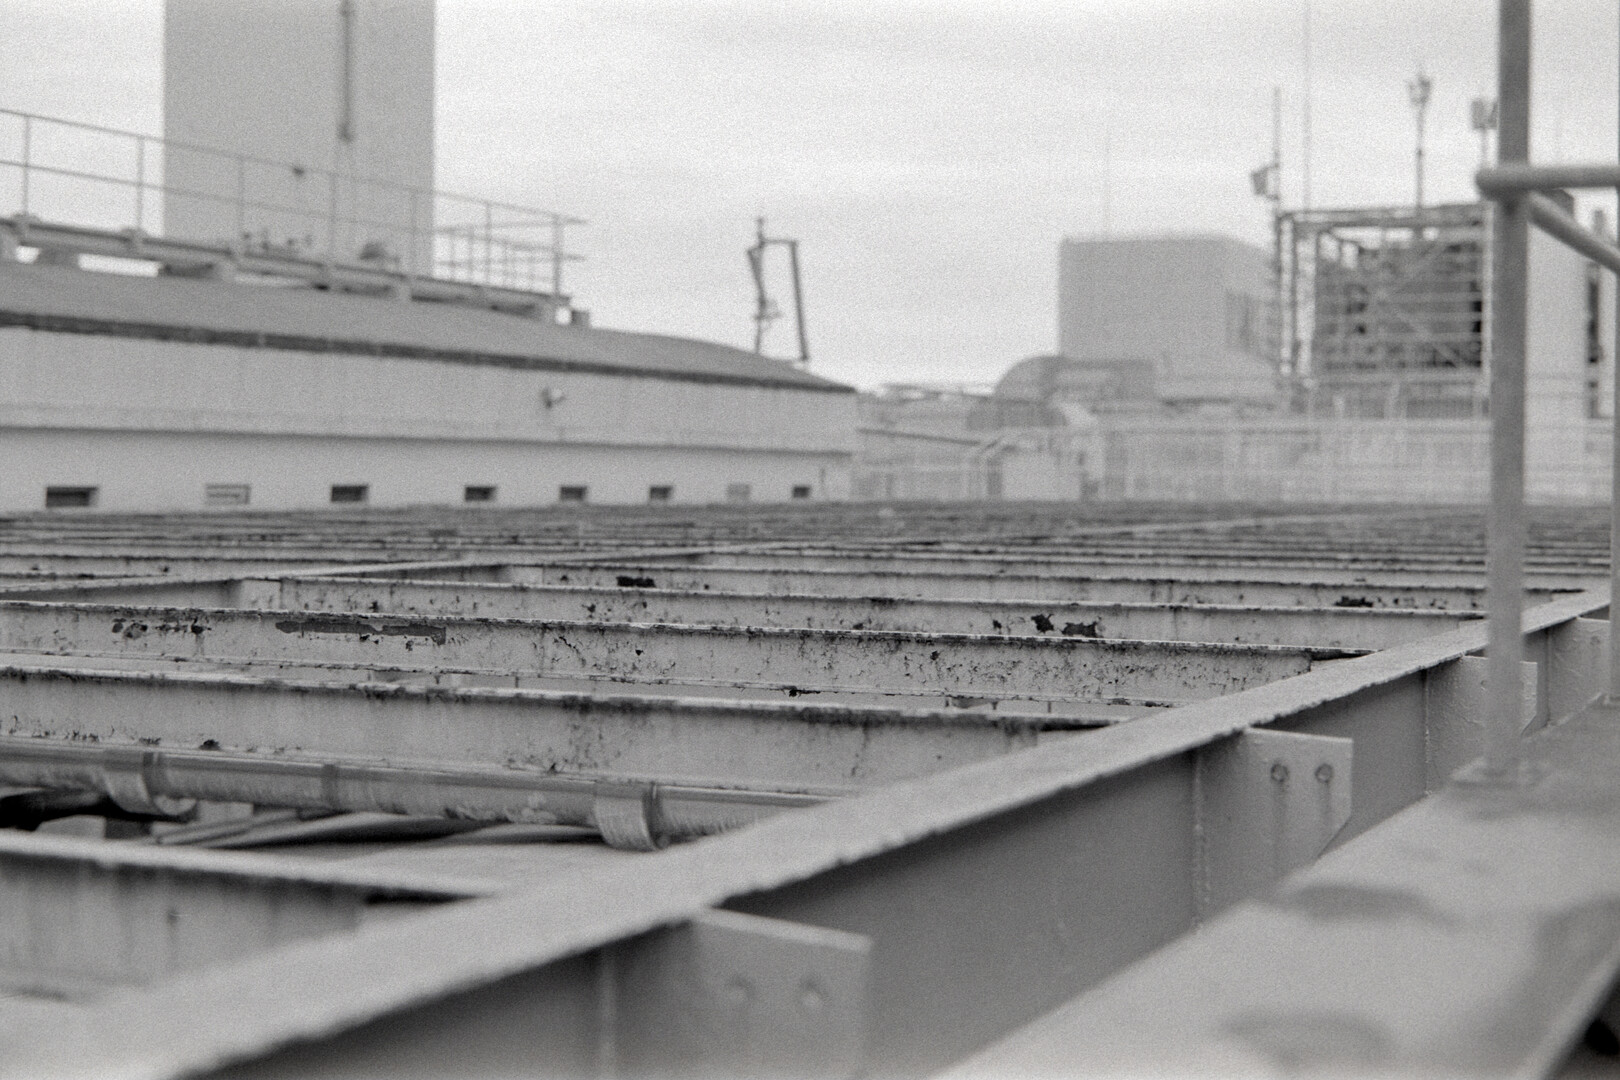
1461	591
791	660
991	894
481	754
1347	627
1476	934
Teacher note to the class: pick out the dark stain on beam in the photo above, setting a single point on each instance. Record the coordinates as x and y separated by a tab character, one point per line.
346	624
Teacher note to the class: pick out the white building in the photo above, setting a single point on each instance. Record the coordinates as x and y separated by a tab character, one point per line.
324	112
139	393
1194	312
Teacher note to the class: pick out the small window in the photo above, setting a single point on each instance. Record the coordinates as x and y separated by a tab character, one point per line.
64	497
738	493
478	493
660	493
801	491
350	493
571	493
226	494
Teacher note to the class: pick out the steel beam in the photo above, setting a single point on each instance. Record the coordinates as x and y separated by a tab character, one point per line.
517	755
1474	935
1083	853
80	916
1341	627
1029	668
1344	593
1459	591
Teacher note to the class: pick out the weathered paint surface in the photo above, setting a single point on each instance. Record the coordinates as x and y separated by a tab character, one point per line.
1035	668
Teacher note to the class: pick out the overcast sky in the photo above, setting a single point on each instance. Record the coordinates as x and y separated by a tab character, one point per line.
929	155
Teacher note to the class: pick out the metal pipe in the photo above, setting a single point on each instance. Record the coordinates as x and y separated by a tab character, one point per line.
1551	219
1506	530
1512	178
679	810
1614	491
798	303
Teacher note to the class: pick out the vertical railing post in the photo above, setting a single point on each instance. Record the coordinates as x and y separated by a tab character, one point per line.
1506	530
1614	494
140	183
489	241
556	254
241	198
331	220
415	238
28	143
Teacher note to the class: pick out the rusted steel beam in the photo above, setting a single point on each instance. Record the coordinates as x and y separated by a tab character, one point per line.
1345	627
1475	935
482	754
1029	668
1023	562
1086	851
1129	585
1337	627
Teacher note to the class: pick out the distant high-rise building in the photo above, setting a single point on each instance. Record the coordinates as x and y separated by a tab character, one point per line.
338	94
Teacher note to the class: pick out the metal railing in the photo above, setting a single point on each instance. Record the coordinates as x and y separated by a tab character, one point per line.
1518	188
123	181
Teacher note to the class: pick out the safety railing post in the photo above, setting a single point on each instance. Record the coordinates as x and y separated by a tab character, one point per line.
556	254
1506	528
331	219
415	236
27	157
140	183
1614	493
489	240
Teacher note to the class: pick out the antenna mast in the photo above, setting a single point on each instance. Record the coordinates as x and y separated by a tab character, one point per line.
1418	90
765	309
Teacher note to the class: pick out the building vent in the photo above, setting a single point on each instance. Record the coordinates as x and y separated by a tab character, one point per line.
351	493
226	494
660	493
66	497
478	493
571	493
739	493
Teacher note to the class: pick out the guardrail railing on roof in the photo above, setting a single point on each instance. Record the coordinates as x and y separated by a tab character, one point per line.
118	180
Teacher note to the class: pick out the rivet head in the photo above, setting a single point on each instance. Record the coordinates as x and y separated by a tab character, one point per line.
812	999
1279	772
739	991
1324	773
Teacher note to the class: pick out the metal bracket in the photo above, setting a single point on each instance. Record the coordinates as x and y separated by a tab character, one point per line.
124	774
1454	697
729	994
1268	802
626	814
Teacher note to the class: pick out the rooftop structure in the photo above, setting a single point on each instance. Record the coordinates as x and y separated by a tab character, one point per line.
731	792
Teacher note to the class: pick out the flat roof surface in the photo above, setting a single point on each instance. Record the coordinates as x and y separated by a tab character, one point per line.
307	319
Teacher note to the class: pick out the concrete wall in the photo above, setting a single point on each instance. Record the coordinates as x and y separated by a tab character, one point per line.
267	79
1197	307
157	470
149	423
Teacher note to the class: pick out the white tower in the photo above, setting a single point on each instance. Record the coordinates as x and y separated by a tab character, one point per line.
337	93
